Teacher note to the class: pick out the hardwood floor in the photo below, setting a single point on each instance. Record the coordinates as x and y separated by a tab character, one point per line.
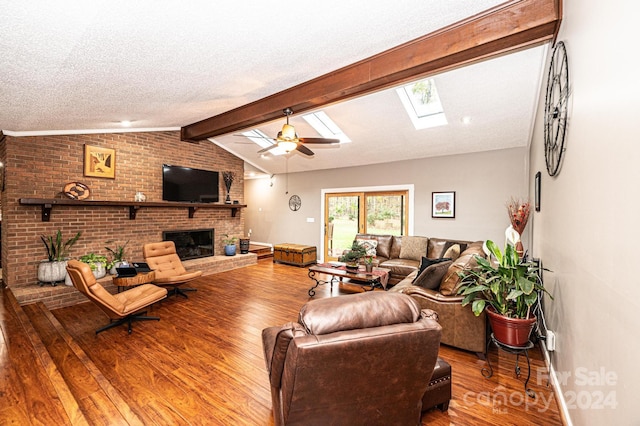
202	363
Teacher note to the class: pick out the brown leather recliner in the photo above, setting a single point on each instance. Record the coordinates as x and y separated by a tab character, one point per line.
353	359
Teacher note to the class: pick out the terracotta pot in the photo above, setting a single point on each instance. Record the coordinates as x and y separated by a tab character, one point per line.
510	331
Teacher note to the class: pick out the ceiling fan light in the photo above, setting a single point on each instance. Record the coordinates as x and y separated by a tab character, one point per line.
287	146
288	132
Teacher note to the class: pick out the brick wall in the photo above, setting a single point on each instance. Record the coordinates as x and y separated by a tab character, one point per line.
40	166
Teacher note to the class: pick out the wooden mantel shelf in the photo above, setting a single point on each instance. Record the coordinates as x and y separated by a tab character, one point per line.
48	203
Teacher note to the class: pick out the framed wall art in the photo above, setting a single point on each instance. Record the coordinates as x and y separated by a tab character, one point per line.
443	204
99	162
537	191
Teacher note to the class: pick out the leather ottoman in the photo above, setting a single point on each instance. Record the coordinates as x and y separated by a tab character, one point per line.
438	393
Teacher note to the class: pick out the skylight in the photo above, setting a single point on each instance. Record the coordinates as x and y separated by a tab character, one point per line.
321	122
422	103
263	141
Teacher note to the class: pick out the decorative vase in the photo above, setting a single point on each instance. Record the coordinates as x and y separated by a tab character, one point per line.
230	250
510	331
519	249
52	272
368	267
244	245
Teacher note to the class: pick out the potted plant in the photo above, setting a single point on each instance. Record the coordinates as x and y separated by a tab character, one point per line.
55	268
97	263
352	256
229	245
368	263
507	288
116	255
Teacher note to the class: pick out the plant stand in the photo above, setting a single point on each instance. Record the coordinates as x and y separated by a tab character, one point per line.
517	350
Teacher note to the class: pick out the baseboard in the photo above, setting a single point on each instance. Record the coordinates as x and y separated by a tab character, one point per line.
562	403
257	243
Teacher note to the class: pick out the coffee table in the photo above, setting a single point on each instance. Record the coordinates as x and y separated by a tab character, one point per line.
377	279
139	279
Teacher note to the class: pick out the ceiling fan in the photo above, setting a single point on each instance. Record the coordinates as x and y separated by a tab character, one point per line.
288	140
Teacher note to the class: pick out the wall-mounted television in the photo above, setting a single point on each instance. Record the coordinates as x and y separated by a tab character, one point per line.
190	185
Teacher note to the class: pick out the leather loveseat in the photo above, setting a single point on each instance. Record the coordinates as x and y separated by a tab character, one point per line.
435	287
354	359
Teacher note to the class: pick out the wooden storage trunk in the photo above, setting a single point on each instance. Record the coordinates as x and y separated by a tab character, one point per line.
294	254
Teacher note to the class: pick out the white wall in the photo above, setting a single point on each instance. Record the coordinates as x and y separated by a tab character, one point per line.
588	229
483	183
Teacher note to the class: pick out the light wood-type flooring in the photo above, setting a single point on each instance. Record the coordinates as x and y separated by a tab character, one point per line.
202	363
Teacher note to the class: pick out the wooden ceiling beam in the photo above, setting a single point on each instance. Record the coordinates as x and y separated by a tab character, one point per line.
512	26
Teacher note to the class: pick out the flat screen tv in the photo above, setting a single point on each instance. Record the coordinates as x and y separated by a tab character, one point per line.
190	185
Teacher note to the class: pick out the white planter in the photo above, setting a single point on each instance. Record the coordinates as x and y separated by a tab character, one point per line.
100	270
51	272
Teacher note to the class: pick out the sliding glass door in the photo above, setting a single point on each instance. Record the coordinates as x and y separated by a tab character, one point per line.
349	213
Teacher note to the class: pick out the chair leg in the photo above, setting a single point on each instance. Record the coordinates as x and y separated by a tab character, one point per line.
129	319
180	291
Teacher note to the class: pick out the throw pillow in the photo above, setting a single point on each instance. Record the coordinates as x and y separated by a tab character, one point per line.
452	252
430	278
370	246
425	263
451	280
413	248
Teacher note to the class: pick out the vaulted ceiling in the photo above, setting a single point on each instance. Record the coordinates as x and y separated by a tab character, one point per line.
86	66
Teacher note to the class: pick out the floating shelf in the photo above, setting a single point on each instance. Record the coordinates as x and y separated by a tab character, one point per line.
47	205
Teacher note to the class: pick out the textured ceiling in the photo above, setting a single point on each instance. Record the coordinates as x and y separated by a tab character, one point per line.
78	66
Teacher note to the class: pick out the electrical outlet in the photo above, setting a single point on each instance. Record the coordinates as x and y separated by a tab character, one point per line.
551	341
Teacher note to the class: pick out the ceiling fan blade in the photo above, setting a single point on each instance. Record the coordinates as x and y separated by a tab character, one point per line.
303	149
269	148
319	140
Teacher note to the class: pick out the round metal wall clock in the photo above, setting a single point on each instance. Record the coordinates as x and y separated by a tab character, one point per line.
555	109
295	202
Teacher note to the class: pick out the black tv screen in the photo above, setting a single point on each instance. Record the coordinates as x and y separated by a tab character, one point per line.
187	184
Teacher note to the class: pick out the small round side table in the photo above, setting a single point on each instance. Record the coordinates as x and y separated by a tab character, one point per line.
140	278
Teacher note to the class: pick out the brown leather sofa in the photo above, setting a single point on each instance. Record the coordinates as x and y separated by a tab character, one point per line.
354	359
435	287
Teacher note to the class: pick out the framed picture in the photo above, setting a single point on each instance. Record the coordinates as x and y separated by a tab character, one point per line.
537	191
443	204
99	162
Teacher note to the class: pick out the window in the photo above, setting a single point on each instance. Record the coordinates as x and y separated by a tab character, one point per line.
324	125
375	212
422	103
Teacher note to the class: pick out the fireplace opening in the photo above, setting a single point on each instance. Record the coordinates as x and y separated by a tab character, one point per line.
191	244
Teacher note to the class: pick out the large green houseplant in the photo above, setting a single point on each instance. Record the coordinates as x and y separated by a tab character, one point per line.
507	288
54	269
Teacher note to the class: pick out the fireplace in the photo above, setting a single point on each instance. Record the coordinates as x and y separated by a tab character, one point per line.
191	244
